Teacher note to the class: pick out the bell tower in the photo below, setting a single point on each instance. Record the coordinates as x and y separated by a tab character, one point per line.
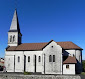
14	34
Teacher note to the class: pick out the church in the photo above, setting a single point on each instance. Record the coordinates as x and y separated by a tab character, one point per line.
46	58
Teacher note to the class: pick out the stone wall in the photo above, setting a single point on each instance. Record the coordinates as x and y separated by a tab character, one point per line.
39	77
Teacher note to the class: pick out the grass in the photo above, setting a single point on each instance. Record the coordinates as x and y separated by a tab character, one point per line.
27	73
83	73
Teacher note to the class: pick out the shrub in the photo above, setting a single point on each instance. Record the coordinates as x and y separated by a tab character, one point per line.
83	73
26	73
83	64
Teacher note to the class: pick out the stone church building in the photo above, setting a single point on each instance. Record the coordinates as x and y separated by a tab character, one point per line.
46	58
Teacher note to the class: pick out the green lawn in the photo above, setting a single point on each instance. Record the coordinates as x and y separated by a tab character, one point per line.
83	73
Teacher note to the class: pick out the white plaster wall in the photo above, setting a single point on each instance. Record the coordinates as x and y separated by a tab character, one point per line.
9	53
78	55
16	38
71	69
53	67
9	59
9	63
70	52
50	67
79	61
30	66
19	66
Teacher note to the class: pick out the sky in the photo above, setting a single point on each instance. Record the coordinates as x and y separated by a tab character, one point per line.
44	20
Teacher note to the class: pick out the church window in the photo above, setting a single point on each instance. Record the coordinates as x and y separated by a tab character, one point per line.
11	38
67	66
50	58
52	46
28	58
53	58
18	59
73	55
39	59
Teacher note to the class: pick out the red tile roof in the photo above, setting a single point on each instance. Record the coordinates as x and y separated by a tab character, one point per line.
1	62
70	60
68	45
28	46
40	46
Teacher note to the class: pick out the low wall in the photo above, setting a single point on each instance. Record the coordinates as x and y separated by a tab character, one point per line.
38	77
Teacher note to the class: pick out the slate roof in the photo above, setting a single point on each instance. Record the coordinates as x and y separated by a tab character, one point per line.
15	23
70	60
40	46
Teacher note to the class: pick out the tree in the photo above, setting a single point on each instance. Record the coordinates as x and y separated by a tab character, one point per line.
83	64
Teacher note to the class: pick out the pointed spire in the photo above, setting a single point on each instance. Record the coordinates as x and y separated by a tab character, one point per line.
15	24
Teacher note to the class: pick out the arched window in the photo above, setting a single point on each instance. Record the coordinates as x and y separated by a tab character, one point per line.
73	55
18	59
53	58
11	38
50	58
67	66
28	58
39	59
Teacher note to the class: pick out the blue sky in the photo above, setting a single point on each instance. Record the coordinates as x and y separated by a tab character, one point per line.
43	20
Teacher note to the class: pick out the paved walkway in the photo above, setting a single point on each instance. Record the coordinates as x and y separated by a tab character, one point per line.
8	73
13	73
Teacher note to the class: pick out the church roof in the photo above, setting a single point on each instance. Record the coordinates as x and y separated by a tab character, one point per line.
40	46
15	24
70	60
